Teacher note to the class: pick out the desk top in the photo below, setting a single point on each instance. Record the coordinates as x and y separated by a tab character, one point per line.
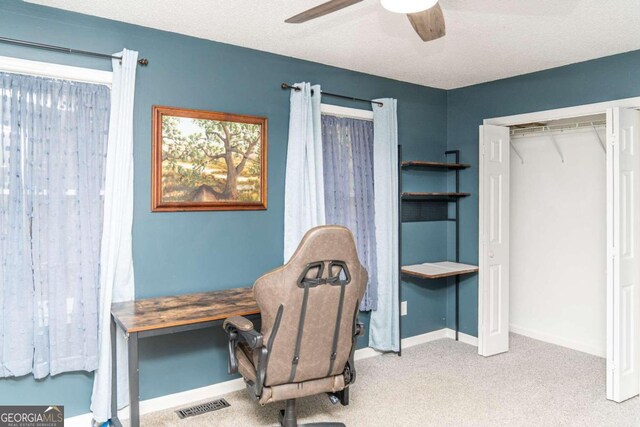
164	312
437	270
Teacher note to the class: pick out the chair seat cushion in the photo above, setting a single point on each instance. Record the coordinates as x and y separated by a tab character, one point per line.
247	361
306	388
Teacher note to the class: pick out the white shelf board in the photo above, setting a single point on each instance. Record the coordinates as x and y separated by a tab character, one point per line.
436	270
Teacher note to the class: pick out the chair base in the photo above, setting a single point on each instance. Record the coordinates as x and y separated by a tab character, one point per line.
288	418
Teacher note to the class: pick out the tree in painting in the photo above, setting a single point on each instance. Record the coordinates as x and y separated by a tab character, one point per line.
209	160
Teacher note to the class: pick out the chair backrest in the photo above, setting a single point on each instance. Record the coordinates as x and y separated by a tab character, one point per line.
309	306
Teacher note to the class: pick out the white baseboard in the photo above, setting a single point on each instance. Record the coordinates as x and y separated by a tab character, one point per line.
167	401
185	397
188	397
464	338
562	342
365	353
424	338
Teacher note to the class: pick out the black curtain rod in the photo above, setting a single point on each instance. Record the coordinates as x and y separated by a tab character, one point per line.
351	98
141	61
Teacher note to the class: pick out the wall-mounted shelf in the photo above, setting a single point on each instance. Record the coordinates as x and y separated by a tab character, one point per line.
418	207
434	206
415	164
451	197
438	270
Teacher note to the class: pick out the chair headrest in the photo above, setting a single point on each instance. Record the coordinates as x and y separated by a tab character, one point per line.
325	243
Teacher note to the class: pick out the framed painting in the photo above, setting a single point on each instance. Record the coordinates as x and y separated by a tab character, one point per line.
207	161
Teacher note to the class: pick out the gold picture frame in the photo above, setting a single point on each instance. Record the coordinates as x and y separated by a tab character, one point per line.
208	161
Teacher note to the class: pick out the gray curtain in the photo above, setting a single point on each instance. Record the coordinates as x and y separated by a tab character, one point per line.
347	148
53	143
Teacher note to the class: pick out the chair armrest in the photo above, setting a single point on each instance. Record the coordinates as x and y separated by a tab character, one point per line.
238	322
350	370
243	331
240	329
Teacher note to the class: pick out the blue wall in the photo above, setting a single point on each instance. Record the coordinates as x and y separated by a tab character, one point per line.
187	252
604	79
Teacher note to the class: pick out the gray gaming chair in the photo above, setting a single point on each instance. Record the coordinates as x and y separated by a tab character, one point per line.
309	311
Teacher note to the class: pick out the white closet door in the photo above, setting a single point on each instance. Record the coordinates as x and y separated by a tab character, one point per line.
623	254
493	279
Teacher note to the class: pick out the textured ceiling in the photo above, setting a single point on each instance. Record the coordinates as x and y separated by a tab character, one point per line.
486	39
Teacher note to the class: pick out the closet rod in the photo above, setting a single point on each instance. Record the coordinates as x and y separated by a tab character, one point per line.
351	98
141	61
546	130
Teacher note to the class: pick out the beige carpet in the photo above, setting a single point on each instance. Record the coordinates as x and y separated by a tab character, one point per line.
446	383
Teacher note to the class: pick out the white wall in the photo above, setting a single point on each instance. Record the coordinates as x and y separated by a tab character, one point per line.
558	241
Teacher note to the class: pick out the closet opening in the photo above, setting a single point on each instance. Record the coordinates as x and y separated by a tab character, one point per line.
559	234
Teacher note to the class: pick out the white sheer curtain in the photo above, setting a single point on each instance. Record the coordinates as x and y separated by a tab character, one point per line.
304	186
53	136
384	331
116	260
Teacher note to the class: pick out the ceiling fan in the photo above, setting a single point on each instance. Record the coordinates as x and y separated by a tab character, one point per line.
425	15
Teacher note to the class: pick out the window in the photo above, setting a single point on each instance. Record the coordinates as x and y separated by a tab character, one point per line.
347	149
53	143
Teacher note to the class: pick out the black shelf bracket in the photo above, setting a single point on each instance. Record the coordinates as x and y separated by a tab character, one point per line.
456	154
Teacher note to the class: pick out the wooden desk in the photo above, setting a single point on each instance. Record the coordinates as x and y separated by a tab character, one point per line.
168	315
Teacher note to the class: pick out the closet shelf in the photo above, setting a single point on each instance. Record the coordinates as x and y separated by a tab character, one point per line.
433	165
437	270
451	197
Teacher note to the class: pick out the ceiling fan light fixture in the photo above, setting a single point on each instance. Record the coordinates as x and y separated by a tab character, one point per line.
408	6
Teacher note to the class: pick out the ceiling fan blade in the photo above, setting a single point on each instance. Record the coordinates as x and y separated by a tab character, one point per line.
321	10
429	24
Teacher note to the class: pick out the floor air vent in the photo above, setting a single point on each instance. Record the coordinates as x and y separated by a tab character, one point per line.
214	405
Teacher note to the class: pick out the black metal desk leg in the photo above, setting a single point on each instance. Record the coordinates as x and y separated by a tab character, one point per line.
114	373
457	306
134	390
